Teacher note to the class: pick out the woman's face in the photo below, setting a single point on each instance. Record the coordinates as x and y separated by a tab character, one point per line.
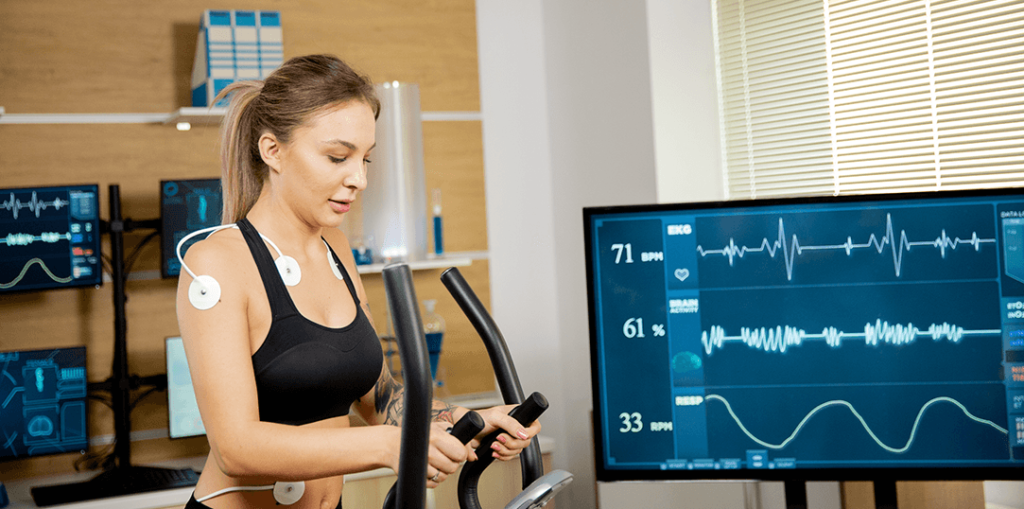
322	168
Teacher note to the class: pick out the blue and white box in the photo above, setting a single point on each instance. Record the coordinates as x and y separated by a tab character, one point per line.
234	45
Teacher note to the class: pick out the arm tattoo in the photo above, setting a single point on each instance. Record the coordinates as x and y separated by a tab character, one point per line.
388	399
443	412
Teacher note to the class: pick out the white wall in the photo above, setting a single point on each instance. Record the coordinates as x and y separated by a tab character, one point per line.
587	103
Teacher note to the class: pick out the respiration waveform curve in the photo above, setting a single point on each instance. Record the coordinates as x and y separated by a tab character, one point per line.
35	205
839	402
25	239
4	286
780	338
898	246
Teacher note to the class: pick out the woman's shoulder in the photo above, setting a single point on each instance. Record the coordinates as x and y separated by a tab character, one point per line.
221	252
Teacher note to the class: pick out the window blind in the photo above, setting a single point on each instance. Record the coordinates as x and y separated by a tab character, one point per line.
838	97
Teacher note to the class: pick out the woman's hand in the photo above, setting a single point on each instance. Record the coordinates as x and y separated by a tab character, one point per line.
445	455
515	437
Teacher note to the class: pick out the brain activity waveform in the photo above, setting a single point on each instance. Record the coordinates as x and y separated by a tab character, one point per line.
781	338
895	450
899	246
34	205
4	286
25	239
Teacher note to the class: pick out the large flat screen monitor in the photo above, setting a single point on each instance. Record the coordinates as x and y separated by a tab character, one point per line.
42	402
49	238
182	409
185	206
827	338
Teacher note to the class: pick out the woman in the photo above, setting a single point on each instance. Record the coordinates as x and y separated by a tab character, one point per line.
288	347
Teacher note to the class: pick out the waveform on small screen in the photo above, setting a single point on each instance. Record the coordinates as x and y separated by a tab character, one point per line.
34	205
899	246
781	338
24	270
26	239
863	422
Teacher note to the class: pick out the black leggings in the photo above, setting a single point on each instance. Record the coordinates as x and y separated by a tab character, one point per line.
193	504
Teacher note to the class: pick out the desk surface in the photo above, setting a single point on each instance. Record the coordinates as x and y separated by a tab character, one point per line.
19	491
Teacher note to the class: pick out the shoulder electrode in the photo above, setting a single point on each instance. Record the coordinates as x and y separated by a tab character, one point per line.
204	292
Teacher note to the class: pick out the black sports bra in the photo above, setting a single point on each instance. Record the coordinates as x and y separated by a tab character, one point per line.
306	372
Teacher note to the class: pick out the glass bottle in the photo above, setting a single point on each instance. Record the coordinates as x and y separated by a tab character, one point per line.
433	327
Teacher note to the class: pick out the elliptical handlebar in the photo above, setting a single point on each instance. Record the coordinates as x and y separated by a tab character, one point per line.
526	413
501	360
411	486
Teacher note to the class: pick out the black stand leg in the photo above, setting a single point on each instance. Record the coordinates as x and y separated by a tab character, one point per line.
885	494
796	495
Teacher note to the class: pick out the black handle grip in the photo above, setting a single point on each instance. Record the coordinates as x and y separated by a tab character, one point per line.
464	430
526	413
468	427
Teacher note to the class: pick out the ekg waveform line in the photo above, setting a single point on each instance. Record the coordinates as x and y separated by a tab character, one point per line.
790	250
780	338
35	205
4	286
839	402
25	239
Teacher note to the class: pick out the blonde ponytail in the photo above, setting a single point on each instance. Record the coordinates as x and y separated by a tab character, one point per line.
242	169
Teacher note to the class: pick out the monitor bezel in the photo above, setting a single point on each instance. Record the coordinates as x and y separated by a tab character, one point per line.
604	474
99	224
165	230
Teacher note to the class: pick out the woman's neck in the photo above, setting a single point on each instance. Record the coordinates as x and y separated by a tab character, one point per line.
279	222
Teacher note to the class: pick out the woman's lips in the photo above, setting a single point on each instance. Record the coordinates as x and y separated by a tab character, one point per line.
339	207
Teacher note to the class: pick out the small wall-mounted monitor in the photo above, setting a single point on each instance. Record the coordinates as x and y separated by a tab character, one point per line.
182	410
42	402
49	238
185	206
868	337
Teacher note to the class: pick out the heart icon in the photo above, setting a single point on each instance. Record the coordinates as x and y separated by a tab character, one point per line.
682	274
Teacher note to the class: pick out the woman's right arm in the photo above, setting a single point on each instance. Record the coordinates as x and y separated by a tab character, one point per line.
218	351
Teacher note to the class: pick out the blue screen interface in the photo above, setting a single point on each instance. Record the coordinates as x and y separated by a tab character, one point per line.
806	335
49	238
185	206
182	409
42	402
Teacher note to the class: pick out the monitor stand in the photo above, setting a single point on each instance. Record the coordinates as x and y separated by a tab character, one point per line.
885	494
123	479
796	495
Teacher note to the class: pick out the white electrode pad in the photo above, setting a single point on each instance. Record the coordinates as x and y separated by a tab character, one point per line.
287	493
290	271
204	292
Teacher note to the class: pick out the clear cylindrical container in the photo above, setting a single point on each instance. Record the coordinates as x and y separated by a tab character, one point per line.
433	327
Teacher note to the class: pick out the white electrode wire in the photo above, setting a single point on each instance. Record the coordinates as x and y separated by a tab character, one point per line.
212	230
234	488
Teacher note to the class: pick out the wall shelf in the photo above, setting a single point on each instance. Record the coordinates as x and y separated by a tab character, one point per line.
457	259
192	115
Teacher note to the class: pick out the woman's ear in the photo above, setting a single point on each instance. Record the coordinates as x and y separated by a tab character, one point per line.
270	151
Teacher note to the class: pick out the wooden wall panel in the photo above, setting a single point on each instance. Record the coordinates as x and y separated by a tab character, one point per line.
118	56
127	56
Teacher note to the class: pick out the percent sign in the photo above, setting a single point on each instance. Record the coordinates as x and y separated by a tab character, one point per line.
658	329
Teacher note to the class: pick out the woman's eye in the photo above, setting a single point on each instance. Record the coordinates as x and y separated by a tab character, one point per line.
367	161
337	160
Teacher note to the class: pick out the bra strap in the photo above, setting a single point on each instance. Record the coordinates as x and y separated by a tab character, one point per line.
277	294
341	267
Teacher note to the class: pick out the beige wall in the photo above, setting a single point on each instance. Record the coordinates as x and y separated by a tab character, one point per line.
110	56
